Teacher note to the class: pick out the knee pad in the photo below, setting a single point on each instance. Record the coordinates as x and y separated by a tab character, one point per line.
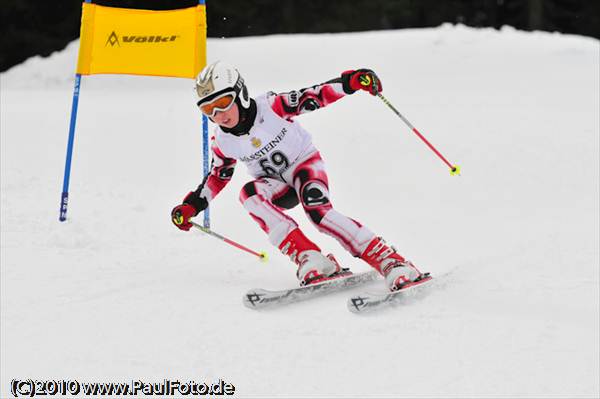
288	200
247	191
314	194
315	200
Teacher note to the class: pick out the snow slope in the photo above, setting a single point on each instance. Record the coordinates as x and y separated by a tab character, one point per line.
117	293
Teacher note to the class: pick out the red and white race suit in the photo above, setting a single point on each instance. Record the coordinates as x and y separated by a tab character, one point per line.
286	166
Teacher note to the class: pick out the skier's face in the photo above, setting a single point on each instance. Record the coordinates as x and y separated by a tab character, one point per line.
229	118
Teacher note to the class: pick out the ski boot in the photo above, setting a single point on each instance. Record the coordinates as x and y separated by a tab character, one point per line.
313	266
398	272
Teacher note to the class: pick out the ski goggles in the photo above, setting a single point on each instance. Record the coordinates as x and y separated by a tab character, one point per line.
220	103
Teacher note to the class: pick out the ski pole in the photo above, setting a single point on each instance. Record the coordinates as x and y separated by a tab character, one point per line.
261	255
454	169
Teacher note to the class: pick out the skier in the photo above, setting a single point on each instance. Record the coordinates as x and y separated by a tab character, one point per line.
287	171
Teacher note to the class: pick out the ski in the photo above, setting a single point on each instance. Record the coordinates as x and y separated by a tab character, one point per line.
259	298
367	302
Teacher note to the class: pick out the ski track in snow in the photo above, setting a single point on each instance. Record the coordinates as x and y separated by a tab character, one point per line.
117	293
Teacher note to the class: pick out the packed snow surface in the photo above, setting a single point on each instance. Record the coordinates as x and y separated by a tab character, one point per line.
117	293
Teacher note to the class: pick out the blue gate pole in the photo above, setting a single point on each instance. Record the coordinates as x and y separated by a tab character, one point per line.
205	162
205	151
64	201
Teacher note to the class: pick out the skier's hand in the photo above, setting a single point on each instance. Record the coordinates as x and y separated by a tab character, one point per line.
192	205
181	214
363	79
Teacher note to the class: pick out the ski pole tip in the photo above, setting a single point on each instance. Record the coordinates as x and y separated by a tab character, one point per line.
455	170
263	256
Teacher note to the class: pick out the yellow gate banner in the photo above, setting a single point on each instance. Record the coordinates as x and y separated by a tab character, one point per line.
142	42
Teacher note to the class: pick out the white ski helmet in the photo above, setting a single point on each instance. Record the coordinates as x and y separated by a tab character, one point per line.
218	79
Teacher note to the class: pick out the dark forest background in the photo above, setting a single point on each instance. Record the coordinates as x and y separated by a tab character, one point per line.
40	27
